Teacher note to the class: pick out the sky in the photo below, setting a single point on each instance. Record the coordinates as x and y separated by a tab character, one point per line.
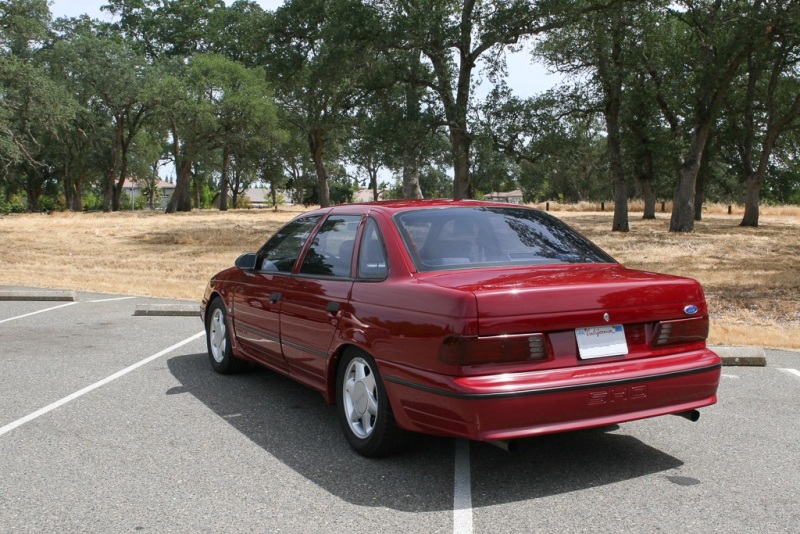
73	8
526	79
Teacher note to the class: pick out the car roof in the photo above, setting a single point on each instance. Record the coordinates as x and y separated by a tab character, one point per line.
394	206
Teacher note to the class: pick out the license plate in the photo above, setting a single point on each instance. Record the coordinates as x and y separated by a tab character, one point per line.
601	341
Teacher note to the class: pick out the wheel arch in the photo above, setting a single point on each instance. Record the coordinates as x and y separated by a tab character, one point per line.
213	296
333	370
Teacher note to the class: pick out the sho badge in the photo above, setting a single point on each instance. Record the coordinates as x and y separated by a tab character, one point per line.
620	394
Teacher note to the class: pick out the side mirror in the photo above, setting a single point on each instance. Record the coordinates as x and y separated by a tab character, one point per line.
246	262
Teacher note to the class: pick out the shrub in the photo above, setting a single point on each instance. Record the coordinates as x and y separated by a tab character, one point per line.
92	202
13	204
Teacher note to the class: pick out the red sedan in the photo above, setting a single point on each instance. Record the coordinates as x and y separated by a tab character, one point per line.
486	321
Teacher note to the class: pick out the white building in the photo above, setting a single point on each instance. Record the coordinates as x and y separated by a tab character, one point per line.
134	191
365	195
512	197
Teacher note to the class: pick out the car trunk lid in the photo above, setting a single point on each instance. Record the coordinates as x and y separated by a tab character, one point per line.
571	296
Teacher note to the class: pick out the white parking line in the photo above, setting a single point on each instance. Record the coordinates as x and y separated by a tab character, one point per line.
40	311
50	407
111	300
462	492
792	371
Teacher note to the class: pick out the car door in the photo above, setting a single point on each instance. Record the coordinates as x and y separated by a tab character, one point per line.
314	299
257	305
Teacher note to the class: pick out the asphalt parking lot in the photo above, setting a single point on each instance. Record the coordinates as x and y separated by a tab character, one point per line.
114	422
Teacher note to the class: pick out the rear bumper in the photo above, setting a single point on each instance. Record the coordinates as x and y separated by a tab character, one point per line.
517	405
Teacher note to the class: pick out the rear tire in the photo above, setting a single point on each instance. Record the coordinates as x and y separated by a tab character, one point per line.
363	407
218	340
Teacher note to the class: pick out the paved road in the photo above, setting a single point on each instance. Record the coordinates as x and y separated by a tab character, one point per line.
111	422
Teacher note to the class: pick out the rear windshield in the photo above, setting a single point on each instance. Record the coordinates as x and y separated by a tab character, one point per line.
458	238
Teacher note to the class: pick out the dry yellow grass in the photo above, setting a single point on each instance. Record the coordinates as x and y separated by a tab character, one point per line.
751	276
139	253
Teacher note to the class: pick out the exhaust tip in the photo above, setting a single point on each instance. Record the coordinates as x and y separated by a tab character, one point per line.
506	445
691	415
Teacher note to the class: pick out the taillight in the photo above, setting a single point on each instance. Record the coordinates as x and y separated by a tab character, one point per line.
680	331
474	350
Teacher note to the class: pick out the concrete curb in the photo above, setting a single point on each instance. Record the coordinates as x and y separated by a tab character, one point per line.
168	310
38	295
741	356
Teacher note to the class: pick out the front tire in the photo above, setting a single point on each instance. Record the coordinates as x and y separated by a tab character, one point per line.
363	407
218	340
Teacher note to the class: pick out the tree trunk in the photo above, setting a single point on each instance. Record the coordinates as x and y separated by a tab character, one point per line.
373	183
700	184
455	94
109	187
108	190
123	171
182	199
411	187
620	205
682	219
300	184
610	74
73	184
236	189
273	193
683	200
746	149
699	196
751	202
33	189
77	199
316	142
33	201
645	176
649	195
617	171
459	146
197	184
411	147
223	181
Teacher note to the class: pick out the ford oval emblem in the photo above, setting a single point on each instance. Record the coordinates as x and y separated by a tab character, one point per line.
690	309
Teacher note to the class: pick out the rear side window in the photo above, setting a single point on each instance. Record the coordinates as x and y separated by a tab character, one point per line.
372	263
331	250
280	253
456	238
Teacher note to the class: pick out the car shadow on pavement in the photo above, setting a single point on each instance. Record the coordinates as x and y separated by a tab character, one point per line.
296	426
561	463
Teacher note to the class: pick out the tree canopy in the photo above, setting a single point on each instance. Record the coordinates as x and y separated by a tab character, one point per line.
687	101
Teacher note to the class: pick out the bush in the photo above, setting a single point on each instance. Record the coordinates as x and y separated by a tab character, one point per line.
52	203
92	202
13	204
244	203
206	195
139	202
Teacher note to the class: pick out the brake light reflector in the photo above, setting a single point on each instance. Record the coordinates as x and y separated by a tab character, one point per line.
680	331
473	350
